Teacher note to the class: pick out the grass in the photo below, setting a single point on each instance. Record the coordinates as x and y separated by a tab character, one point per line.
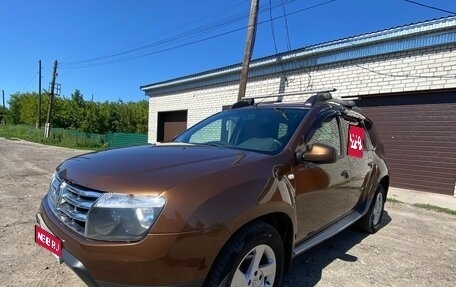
426	206
58	137
389	199
435	208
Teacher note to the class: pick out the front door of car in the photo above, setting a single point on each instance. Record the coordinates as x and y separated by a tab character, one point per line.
321	189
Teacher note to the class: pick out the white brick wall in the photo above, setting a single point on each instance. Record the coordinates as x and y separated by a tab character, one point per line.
432	68
199	103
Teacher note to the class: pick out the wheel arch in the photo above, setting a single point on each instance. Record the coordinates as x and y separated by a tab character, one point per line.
284	226
384	183
281	222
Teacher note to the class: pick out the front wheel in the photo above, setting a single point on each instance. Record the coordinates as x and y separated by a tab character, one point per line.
370	222
252	258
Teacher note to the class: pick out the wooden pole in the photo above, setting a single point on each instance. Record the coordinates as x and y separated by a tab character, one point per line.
251	31
39	94
47	128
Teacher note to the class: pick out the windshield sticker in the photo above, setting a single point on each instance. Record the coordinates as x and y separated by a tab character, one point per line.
355	141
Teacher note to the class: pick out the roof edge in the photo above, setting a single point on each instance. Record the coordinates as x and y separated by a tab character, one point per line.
390	34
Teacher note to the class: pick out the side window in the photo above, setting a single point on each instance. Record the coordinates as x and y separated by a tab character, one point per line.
357	137
367	139
328	133
373	136
283	128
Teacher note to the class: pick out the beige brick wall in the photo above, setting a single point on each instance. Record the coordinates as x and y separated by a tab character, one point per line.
426	69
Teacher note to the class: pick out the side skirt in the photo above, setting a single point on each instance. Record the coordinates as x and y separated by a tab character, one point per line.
327	233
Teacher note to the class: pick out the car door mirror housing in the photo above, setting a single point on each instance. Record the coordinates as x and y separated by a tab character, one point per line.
317	153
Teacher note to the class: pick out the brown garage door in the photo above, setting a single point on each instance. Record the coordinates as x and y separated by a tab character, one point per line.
170	124
419	134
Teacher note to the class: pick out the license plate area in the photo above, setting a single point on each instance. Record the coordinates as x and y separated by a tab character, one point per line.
49	242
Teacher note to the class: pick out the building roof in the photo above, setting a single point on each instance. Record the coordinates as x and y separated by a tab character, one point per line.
398	39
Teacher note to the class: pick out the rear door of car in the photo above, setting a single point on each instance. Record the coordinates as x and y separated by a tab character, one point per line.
361	160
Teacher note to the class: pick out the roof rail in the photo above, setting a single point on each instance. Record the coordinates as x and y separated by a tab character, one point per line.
327	97
318	98
290	94
243	103
347	104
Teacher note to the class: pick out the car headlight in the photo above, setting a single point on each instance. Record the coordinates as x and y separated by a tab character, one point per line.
123	217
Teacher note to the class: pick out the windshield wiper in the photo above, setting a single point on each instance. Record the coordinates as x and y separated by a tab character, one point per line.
216	144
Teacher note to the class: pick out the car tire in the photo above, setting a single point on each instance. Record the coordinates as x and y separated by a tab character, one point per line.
254	257
371	221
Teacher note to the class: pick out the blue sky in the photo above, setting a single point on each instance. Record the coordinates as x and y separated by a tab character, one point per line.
109	48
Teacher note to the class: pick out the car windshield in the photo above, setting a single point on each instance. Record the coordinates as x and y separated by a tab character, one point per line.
264	130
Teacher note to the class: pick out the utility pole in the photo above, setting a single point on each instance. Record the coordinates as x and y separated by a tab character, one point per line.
251	31
47	128
39	95
2	119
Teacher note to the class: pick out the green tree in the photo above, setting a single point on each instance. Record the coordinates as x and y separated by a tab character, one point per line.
76	113
24	108
70	113
91	122
4	113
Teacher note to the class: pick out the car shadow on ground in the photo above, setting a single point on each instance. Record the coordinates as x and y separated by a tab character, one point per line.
306	269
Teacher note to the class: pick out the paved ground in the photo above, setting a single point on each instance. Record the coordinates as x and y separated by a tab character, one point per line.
417	197
416	247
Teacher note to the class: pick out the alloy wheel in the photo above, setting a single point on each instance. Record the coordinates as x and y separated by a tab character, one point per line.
257	268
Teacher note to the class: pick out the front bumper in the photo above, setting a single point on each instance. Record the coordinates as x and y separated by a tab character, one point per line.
159	260
81	271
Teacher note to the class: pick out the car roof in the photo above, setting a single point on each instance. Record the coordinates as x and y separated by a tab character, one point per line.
318	101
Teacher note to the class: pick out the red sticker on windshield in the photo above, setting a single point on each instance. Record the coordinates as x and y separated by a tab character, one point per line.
355	141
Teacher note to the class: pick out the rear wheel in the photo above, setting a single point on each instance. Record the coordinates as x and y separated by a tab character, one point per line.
252	258
370	222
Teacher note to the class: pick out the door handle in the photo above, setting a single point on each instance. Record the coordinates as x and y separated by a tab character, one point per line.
345	174
370	164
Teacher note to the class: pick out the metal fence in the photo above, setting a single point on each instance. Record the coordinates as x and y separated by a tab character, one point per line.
124	139
110	140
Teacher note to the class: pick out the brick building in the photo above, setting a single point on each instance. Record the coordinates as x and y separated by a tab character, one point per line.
403	77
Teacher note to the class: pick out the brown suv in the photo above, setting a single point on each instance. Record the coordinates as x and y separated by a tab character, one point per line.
229	202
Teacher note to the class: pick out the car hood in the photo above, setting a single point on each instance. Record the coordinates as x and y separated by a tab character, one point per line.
149	169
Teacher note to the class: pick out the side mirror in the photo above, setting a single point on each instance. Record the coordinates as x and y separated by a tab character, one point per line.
317	153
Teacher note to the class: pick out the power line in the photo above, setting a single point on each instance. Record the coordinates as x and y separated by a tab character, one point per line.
29	82
431	7
287	33
99	60
154	52
179	37
272	30
275	42
406	75
233	7
286	27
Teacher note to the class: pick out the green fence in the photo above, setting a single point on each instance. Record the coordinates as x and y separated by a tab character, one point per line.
123	139
109	140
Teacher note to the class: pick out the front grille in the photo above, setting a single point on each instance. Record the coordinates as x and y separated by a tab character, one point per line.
70	203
